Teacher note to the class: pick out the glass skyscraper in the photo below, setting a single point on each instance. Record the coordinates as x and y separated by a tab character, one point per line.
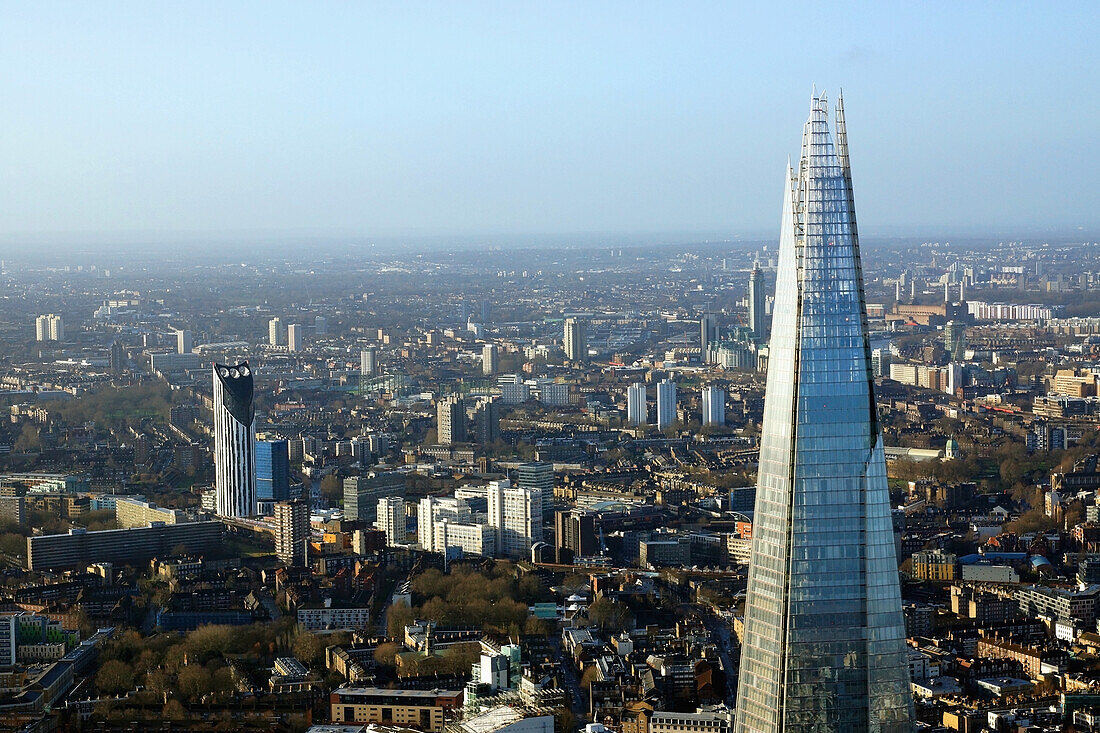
272	470
824	647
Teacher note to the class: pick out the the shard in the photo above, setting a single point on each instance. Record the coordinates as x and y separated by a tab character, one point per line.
824	640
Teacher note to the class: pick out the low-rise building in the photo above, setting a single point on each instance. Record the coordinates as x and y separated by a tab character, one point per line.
425	710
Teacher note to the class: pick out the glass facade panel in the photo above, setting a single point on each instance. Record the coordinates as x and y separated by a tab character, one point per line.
824	648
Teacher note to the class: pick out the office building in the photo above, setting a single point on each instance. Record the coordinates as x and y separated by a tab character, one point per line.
451	420
714	406
824	637
666	403
276	332
758	317
234	440
575	530
184	341
576	339
708	333
320	326
487	421
49	328
637	409
272	470
391	519
361	494
294	337
131	546
292	532
489	359
537	477
368	362
516	516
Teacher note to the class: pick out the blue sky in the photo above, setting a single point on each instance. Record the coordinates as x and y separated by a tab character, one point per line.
465	118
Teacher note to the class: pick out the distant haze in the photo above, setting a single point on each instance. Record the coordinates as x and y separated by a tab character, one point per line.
155	122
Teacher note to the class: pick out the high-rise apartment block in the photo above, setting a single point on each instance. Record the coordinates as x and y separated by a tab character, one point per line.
294	337
368	362
49	328
292	532
666	403
391	519
714	406
824	642
451	420
708	333
234	440
637	409
575	530
757	305
516	515
276	334
489	359
576	339
487	421
184	341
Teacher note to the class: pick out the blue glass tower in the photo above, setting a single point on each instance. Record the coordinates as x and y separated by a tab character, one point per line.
824	645
272	470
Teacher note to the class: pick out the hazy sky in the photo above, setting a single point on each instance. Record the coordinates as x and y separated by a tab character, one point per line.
466	117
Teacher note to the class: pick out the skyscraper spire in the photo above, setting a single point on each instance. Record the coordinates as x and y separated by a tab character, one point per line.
824	647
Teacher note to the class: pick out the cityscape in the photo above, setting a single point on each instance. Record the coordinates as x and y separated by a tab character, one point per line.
826	478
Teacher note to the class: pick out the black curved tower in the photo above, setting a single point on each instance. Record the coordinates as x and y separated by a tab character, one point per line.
234	440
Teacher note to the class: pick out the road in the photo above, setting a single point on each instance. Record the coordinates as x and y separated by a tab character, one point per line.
727	651
578	701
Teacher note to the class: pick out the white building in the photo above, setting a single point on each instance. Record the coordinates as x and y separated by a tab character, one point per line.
488	359
294	337
666	403
471	538
234	441
516	515
49	328
184	341
320	619
391	519
637	410
576	339
368	362
275	332
714	406
434	509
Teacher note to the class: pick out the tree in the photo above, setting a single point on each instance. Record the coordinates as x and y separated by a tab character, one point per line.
397	618
332	488
194	681
385	654
114	677
610	614
309	648
173	710
29	440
